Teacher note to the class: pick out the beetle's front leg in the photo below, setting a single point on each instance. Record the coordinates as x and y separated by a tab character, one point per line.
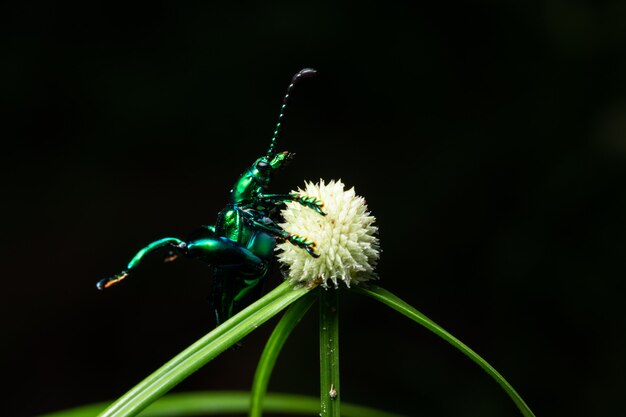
306	201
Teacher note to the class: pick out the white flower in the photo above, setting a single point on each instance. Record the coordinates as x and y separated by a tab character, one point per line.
345	239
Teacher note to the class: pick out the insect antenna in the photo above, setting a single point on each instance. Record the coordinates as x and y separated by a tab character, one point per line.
306	72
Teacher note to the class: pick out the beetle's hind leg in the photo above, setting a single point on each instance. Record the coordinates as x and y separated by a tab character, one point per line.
224	253
176	246
110	281
209	247
237	273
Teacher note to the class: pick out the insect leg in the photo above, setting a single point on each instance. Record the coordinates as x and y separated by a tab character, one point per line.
231	292
274	230
170	242
224	253
237	274
203	230
310	202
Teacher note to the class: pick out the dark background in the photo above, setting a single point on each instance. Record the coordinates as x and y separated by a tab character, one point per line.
489	139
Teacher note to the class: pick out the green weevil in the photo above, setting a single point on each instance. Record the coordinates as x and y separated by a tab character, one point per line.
239	248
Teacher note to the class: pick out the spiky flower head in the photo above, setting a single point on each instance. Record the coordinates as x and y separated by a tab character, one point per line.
345	237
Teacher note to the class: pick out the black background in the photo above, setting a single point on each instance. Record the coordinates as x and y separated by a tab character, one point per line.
489	139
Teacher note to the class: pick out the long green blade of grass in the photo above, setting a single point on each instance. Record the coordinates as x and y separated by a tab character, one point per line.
201	352
228	402
329	353
399	305
272	349
279	291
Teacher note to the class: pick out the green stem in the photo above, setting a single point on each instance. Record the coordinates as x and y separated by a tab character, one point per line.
272	349
228	402
401	306
201	352
329	353
281	290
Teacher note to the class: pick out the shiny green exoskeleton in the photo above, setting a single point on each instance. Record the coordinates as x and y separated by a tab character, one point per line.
240	246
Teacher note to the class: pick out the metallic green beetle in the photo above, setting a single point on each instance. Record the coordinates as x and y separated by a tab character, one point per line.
240	246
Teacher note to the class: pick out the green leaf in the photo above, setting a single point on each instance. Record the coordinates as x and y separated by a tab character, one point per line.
205	349
399	305
329	353
228	402
272	349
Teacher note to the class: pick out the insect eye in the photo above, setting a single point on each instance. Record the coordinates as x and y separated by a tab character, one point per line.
262	166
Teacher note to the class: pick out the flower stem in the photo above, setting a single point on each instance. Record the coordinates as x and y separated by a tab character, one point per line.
329	353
